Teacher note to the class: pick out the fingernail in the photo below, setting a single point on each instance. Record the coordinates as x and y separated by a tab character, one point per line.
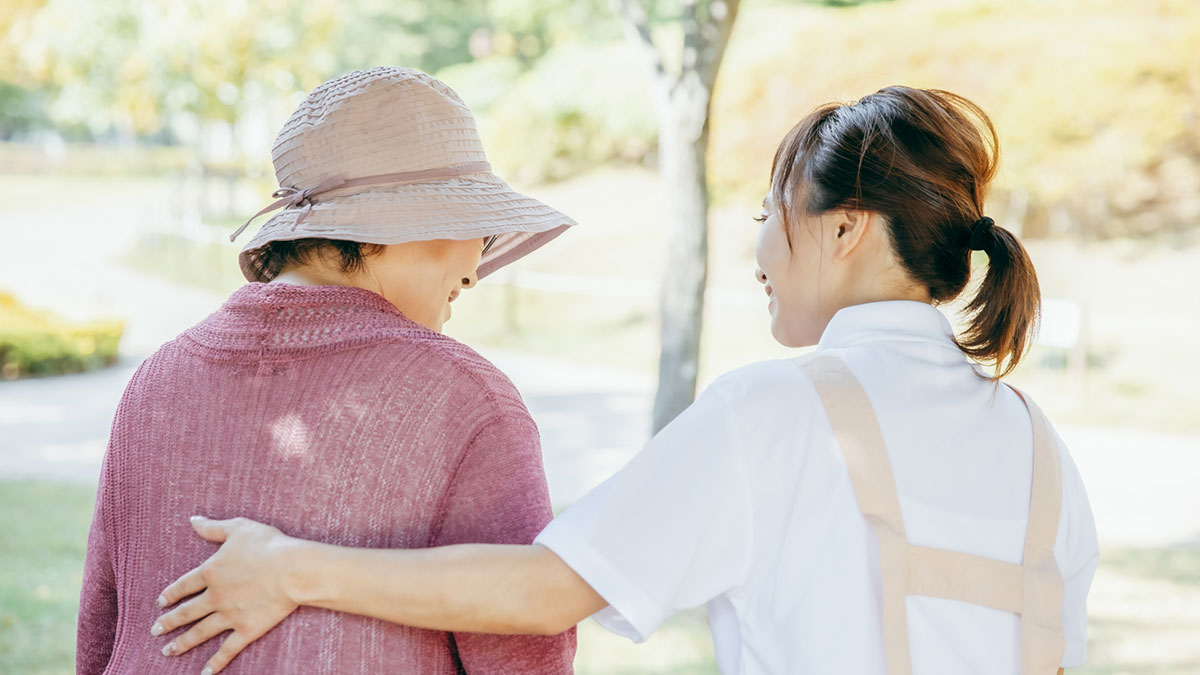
169	649
161	602
206	671
156	629
195	518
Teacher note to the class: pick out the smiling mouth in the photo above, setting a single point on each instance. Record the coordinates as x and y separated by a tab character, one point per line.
453	295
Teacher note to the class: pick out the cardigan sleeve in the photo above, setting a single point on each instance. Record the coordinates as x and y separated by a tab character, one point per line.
96	630
499	496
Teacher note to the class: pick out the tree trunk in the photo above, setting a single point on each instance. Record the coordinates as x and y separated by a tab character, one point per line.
682	99
682	146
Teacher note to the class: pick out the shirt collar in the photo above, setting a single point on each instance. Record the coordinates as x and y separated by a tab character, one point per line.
894	320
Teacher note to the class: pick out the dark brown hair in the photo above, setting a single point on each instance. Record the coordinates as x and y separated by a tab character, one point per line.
278	255
922	159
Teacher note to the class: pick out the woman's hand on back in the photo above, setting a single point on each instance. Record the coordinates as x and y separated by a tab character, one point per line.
259	577
239	589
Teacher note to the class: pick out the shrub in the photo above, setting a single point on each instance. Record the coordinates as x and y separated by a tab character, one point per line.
37	343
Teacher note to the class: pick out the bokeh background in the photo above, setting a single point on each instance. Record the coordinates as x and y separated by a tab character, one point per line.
135	136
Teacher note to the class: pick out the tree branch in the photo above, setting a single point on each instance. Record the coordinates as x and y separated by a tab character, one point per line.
714	38
693	40
637	30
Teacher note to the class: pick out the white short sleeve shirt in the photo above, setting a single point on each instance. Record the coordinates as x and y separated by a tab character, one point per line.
743	503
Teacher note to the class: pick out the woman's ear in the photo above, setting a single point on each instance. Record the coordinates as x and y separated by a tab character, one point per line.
848	229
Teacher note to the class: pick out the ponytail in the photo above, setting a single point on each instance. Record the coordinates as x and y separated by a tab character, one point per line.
1004	312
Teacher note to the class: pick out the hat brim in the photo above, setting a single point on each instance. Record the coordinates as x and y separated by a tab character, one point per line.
471	207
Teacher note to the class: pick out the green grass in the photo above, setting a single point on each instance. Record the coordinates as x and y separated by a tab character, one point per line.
208	267
44	191
1144	609
1176	565
41	565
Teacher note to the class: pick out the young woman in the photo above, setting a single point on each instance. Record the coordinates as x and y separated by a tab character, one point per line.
879	505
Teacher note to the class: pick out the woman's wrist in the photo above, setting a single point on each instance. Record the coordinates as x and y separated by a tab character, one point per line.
298	562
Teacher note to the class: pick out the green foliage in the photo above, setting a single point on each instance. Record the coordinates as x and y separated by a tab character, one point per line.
1098	132
132	67
93	159
527	30
842	3
428	35
20	111
36	343
579	107
482	83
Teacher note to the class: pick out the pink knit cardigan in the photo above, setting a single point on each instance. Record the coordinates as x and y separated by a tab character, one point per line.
325	412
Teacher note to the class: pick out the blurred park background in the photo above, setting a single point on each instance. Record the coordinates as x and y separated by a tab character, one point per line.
135	136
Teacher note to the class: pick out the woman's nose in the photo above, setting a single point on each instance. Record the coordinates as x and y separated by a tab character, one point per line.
760	275
470	281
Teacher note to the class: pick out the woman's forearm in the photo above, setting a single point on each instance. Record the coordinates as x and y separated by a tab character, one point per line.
259	576
479	588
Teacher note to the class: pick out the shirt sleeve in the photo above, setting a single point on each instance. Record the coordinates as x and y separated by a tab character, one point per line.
498	496
97	626
1082	555
669	531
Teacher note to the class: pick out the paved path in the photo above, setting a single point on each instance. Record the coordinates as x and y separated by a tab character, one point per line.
1141	484
57	428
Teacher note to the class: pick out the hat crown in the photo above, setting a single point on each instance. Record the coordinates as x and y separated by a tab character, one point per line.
372	122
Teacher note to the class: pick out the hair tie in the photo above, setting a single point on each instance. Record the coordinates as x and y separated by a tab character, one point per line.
981	234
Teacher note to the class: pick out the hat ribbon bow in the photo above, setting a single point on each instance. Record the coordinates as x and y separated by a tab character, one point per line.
294	197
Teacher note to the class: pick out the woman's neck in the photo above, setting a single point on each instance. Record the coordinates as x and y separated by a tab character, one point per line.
411	306
308	275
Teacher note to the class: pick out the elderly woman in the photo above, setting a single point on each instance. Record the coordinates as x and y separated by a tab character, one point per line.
322	396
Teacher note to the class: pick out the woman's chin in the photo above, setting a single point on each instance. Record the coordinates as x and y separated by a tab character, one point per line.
789	338
781	336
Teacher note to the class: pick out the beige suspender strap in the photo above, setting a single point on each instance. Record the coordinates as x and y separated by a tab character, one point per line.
1034	589
961	576
1042	639
858	435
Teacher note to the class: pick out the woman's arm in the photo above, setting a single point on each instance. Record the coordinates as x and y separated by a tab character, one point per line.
478	588
259	576
97	624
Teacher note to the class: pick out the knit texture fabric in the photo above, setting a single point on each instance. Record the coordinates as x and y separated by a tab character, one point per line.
325	412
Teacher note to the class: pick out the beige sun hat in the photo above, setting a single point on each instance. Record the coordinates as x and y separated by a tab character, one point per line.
387	156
